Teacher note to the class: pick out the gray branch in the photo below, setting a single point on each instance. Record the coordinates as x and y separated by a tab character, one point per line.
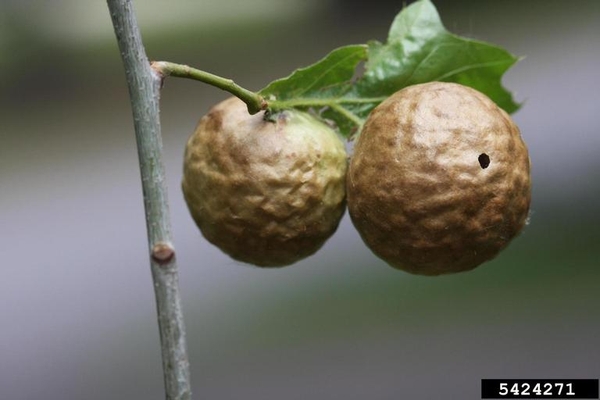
144	91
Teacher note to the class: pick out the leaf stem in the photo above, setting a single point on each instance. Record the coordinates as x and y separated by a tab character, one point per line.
144	90
359	122
254	101
321	102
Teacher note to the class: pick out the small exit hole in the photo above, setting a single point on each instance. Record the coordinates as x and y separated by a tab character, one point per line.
484	160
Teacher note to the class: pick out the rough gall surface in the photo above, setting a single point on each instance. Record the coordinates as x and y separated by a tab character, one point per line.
440	179
268	193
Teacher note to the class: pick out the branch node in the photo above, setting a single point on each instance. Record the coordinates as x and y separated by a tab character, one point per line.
162	253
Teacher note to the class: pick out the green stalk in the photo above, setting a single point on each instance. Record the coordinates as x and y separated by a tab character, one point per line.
254	101
144	91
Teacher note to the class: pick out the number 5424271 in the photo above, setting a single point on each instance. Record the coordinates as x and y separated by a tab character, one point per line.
539	389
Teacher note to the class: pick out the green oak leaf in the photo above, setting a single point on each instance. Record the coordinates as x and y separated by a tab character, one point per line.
321	78
419	49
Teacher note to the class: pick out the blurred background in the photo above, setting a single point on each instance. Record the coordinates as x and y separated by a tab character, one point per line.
76	302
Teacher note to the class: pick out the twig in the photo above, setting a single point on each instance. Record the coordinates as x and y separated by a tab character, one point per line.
144	92
254	101
257	102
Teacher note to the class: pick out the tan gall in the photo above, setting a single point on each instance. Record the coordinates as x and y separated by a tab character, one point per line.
440	179
268	193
